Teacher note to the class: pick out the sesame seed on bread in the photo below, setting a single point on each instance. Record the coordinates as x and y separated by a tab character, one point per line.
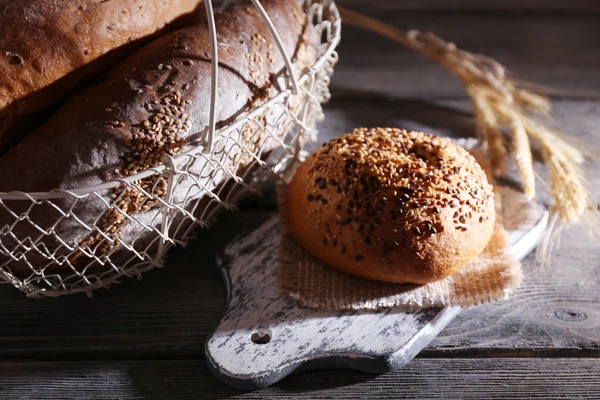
49	47
154	103
391	205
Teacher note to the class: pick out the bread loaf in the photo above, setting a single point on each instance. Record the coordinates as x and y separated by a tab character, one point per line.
391	205
47	46
154	103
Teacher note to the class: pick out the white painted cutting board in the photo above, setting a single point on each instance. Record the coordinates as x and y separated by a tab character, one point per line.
264	337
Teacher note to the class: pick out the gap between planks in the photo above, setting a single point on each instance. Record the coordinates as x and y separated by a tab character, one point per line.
172	310
422	378
537	7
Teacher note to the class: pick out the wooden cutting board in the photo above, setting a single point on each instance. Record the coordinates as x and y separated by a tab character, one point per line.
264	337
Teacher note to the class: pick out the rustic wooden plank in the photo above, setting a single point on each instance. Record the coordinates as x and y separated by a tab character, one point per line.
172	310
558	307
559	52
169	312
533	6
300	338
569	378
580	120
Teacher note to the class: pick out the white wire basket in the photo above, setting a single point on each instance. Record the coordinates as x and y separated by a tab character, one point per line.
176	197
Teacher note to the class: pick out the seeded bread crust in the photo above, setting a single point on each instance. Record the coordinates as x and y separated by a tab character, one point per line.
391	205
47	46
153	104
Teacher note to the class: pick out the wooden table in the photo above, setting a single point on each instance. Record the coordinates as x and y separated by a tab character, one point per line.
146	339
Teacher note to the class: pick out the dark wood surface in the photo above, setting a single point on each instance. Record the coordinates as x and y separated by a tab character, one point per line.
145	339
440	378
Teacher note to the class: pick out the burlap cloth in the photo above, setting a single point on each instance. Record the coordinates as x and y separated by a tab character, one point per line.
489	277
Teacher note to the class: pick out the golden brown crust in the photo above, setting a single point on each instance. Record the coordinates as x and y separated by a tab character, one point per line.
123	125
391	205
47	46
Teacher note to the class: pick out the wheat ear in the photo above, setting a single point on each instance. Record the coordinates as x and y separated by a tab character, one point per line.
504	104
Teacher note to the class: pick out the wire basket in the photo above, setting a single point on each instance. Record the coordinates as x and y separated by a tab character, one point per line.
175	197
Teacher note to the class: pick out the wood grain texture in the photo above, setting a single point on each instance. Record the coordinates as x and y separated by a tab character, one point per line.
349	109
557	307
560	52
265	335
465	6
172	310
169	314
567	378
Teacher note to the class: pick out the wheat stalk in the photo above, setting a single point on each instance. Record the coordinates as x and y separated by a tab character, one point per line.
503	104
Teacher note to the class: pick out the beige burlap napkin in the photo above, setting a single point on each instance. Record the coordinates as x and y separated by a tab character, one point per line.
489	277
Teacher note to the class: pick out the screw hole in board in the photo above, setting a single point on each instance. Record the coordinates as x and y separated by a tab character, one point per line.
260	337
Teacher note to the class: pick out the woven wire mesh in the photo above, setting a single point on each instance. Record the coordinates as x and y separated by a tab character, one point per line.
172	199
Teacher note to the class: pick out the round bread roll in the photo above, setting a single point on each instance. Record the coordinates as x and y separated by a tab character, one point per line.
391	205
